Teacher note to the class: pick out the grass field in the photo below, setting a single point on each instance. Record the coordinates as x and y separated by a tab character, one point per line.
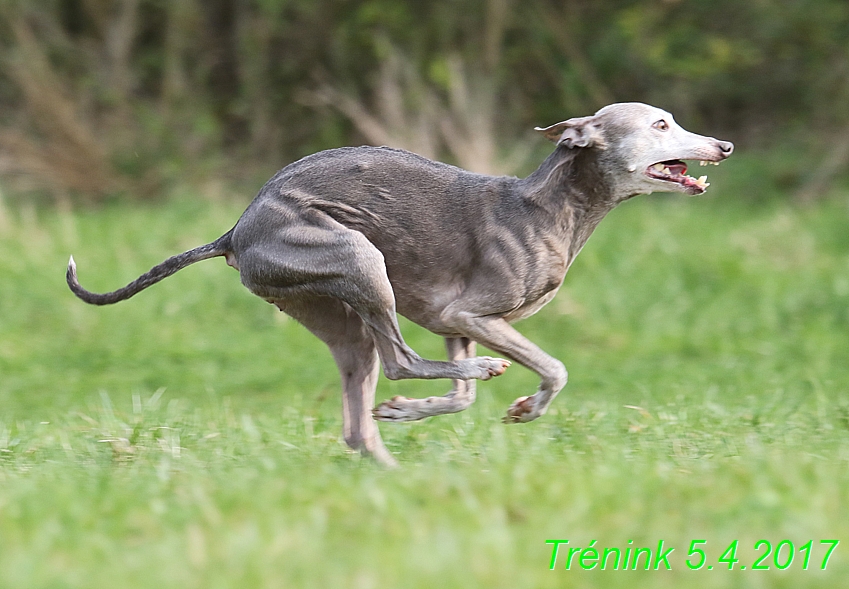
191	437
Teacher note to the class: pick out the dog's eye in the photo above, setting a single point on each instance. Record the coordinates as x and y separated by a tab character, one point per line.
661	125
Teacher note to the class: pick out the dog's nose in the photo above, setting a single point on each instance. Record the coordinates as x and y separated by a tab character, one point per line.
726	147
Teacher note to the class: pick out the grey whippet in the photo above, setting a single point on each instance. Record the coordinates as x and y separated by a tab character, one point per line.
343	239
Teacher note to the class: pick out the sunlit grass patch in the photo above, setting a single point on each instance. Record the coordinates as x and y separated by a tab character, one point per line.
191	437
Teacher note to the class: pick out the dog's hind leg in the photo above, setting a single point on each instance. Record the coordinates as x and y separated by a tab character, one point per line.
327	259
459	398
352	346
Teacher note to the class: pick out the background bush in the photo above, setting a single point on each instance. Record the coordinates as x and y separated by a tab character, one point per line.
102	98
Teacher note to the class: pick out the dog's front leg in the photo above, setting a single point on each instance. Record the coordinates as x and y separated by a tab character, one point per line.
458	399
498	335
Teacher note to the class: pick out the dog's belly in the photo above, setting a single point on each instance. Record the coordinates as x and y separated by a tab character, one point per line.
425	307
426	311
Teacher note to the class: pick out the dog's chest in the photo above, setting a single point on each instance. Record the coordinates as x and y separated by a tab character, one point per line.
542	284
532	304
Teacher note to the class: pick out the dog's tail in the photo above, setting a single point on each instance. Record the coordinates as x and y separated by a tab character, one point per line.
219	247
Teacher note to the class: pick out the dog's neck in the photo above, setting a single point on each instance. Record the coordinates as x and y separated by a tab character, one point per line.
573	191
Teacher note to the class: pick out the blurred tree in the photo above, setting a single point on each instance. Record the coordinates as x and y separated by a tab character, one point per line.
103	97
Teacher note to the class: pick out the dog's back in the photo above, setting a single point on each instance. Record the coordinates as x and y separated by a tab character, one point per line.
423	216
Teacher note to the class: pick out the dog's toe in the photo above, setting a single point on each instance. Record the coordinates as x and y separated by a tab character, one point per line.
521	410
396	409
491	366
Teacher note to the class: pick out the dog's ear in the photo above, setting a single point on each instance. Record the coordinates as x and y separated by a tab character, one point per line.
577	132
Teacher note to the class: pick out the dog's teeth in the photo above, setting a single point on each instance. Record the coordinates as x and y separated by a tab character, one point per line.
658	167
667	171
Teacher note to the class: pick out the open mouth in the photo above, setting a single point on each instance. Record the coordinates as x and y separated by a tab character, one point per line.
676	171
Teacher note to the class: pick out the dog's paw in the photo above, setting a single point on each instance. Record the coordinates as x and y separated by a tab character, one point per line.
489	367
522	410
397	409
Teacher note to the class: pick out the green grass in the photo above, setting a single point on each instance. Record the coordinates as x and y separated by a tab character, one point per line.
191	437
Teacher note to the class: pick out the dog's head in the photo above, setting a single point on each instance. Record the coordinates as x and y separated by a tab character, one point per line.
641	148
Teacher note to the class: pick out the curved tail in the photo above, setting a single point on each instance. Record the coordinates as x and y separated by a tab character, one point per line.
219	247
